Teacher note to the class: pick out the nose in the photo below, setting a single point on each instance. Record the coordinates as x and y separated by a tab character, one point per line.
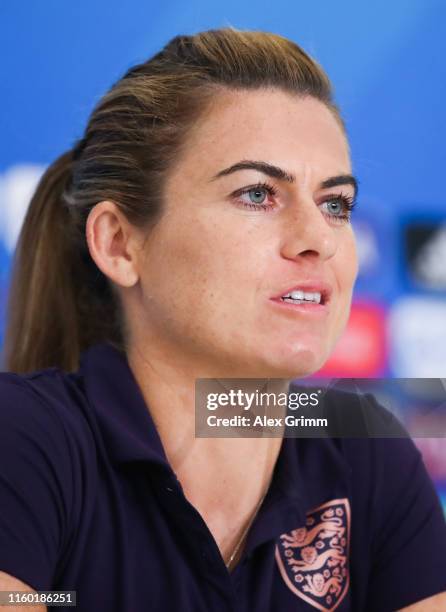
308	233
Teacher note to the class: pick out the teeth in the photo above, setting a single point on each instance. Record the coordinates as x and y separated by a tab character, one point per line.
299	296
291	301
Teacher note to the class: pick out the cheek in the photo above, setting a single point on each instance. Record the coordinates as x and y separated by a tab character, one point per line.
227	273
201	260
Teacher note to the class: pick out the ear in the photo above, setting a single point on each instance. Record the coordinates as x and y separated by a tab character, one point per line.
112	242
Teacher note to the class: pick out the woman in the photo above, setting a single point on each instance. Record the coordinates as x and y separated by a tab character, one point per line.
211	181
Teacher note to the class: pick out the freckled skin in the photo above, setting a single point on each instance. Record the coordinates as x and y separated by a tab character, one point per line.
209	267
196	297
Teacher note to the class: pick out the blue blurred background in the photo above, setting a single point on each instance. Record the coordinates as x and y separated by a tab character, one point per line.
386	62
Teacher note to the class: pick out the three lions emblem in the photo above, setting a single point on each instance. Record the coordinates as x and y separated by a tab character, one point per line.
313	560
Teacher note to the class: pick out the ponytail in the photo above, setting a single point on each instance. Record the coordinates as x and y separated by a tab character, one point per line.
53	311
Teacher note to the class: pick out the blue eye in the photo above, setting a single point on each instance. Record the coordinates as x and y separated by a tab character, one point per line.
257	195
339	207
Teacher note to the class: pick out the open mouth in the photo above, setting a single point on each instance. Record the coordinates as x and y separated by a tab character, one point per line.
304	297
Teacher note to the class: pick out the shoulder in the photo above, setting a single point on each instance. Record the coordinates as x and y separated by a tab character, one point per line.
400	516
366	435
391	489
51	394
48	473
46	411
376	445
383	460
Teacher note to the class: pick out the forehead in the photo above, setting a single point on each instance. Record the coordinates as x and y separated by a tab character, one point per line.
281	128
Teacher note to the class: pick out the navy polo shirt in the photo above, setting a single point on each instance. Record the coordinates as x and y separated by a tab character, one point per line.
89	502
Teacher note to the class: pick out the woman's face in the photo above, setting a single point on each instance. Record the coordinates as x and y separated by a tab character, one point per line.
236	236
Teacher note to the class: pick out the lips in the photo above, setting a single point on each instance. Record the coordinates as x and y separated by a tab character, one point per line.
311	286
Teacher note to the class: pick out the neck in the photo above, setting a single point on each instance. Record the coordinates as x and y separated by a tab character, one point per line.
243	465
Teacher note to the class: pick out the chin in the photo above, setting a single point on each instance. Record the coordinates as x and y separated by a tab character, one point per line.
303	358
294	365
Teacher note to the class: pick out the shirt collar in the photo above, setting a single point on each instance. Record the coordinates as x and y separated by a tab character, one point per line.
308	471
116	399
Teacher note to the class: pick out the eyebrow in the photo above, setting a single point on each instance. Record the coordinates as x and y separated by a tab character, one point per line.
279	173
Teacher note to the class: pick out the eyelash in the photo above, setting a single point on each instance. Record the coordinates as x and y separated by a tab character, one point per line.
348	202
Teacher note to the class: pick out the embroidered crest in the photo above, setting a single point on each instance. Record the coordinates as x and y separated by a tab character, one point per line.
313	560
